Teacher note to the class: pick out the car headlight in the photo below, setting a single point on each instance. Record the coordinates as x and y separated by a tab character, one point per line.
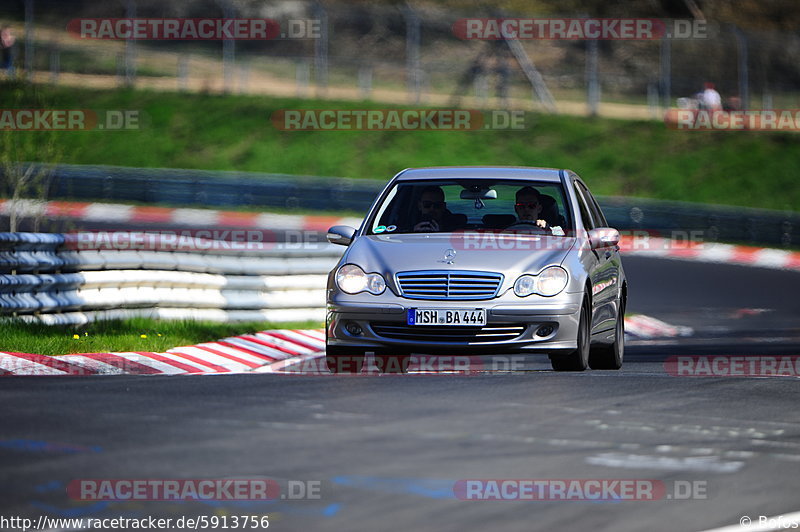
351	280
549	282
525	285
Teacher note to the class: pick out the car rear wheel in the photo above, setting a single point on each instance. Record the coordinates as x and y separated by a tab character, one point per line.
343	359
578	360
610	357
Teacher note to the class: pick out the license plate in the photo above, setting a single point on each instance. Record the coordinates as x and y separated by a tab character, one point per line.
428	316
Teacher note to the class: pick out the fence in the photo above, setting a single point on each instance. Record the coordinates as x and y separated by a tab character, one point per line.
77	278
410	54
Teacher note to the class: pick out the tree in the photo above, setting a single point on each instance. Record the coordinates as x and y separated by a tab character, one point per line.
27	158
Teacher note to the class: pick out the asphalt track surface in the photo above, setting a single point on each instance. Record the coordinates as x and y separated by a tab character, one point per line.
388	450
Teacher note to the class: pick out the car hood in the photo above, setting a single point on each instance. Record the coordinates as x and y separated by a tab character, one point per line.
504	253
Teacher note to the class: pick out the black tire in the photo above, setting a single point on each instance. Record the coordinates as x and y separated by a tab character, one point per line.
578	360
610	356
392	363
343	359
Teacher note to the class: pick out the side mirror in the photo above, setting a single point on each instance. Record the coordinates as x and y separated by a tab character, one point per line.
603	237
341	234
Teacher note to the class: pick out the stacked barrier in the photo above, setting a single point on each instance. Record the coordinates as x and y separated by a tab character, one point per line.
82	277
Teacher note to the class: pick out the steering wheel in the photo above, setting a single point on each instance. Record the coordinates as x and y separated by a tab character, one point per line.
526	225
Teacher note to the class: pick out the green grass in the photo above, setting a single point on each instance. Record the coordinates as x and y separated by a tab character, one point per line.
616	157
123	335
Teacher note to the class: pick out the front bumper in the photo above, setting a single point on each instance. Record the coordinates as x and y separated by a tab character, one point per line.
513	324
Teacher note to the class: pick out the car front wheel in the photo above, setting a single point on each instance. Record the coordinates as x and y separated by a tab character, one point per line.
610	357
578	360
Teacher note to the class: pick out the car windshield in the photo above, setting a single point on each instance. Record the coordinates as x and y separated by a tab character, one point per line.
520	206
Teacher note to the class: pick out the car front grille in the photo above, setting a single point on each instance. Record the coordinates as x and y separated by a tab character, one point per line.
447	284
448	334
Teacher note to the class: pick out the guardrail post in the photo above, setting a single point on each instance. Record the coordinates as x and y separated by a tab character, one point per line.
321	50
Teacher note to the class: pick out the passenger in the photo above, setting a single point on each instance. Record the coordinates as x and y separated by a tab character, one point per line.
433	215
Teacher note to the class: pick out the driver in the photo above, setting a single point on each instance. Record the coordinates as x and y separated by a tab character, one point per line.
529	207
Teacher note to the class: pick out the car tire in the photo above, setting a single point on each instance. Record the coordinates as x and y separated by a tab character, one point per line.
577	360
610	357
343	359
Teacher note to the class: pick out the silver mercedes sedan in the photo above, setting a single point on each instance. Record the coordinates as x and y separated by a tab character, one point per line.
478	260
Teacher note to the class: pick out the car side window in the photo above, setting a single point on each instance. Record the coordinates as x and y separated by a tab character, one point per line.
597	214
588	223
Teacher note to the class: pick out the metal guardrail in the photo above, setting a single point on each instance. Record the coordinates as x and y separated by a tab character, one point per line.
76	278
211	189
702	222
237	189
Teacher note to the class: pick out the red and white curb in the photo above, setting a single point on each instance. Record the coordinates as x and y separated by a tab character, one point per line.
236	354
121	213
710	252
646	327
272	351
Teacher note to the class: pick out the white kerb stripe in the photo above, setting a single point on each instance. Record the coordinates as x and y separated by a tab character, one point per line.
284	221
101	368
21	366
233	352
772	258
300	338
108	212
195	216
163	367
316	333
212	358
258	348
238	352
299	349
716	253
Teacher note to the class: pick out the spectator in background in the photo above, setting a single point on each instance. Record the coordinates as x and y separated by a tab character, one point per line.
503	71
734	103
7	42
710	99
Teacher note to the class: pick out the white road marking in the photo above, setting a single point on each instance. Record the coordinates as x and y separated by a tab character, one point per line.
711	464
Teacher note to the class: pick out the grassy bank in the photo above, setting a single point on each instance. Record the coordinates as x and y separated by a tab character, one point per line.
123	335
634	158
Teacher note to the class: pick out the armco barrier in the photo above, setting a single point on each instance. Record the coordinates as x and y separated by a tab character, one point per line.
181	187
77	278
210	189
